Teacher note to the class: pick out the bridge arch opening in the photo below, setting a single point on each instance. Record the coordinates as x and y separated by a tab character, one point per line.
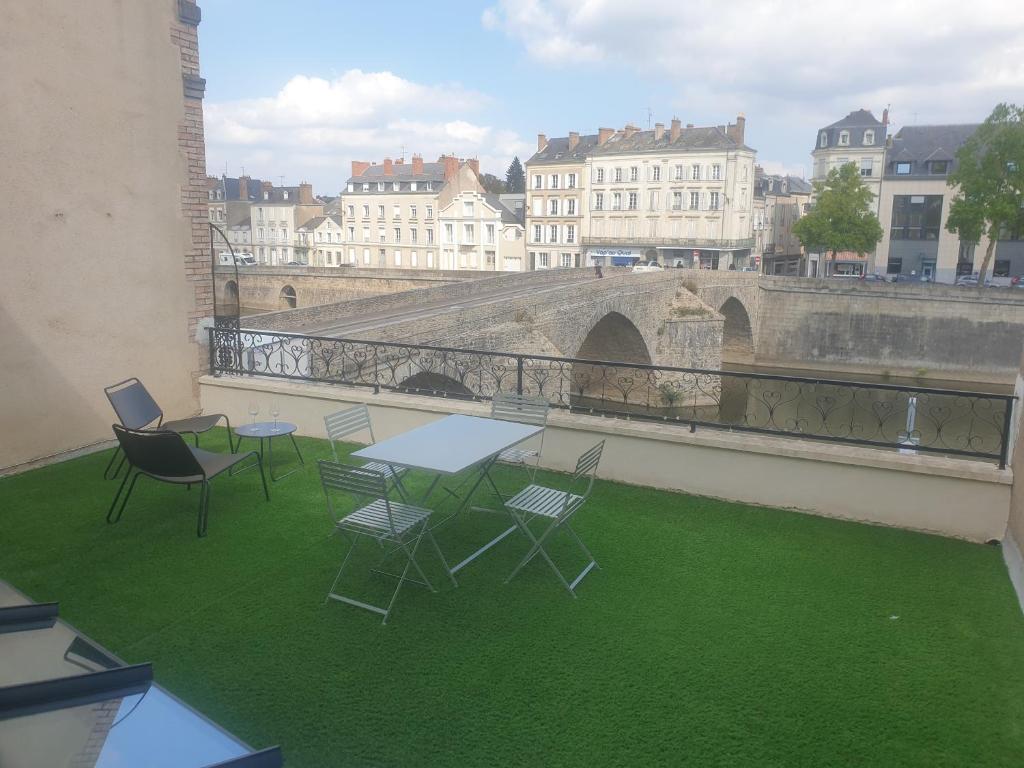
428	382
615	338
737	335
287	298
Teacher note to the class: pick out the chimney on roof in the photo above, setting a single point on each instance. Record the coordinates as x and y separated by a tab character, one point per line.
542	141
603	134
675	130
629	130
400	161
736	131
243	187
474	163
659	131
574	140
306	194
388	168
451	166
266	186
885	116
359	167
417	164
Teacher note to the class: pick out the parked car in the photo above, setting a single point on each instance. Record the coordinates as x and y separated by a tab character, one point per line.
647	266
874	278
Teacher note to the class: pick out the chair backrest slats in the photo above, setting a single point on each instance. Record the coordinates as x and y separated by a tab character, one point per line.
158	453
358	481
524	409
586	466
134	406
348	422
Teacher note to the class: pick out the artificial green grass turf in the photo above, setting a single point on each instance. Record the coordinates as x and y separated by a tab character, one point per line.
716	634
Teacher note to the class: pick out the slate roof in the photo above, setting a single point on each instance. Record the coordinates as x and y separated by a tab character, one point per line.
775	184
690	139
856	123
316	221
507	216
557	150
921	144
231	188
400	172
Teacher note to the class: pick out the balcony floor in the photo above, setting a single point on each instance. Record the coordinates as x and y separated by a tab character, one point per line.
717	634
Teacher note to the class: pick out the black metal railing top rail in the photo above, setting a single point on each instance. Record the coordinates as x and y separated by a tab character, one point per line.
909	419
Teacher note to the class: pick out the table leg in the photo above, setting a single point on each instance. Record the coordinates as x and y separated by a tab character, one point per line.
270	455
485	473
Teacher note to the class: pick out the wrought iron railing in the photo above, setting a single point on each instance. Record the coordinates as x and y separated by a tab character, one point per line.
909	419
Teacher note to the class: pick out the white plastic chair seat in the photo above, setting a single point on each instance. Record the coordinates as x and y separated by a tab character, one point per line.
373	518
540	500
517	455
385	469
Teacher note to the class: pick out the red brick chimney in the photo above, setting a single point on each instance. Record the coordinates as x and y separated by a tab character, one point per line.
736	131
603	134
243	187
417	164
675	130
885	116
400	161
574	140
451	166
629	130
659	131
475	165
306	193
359	167
542	141
388	169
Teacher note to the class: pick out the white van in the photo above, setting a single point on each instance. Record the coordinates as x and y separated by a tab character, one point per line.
241	259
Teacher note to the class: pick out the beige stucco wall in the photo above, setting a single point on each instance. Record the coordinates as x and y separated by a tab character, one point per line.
950	497
94	286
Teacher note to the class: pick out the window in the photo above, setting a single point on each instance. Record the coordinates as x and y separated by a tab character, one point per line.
398	235
413	186
655	200
366	186
599	175
394	186
467	208
553	206
430	236
1001	268
553	233
618	174
489	233
634	173
570	206
713	201
366	211
823	141
351	211
677	201
866	166
570	233
351	187
380	186
430	259
489	256
412	212
678	175
939	167
694	201
571	181
319	237
554	181
537	236
351	255
632	201
380	211
895	266
366	234
366	255
695	172
616	201
599	201
449	233
543	260
396	212
538	181
382	234
716	172
468	233
266	195
413	234
430	211
869	138
916	217
844	138
566	260
398	258
259	233
414	259
903	169
656	173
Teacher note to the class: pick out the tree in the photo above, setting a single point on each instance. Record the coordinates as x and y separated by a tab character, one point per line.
841	219
989	182
515	176
492	183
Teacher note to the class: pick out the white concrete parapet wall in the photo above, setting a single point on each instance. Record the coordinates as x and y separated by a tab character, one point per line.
950	497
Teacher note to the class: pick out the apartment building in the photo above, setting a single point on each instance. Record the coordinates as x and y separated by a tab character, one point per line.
858	138
390	211
479	232
556	201
779	201
229	202
276	214
324	237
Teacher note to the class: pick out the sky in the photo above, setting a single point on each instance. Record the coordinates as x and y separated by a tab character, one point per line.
296	92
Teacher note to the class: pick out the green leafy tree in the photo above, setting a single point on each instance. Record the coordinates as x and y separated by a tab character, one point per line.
841	219
492	183
515	176
989	182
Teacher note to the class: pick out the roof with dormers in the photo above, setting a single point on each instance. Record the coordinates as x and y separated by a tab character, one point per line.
400	172
316	221
690	140
856	123
921	145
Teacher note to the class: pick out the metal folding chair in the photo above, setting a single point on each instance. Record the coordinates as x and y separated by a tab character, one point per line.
136	409
398	527
538	501
524	409
357	419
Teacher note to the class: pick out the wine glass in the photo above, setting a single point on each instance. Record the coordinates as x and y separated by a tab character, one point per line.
254	410
275	411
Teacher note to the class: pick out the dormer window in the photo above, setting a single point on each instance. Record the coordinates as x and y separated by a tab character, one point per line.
869	138
940	167
266	194
351	187
902	169
844	138
394	186
380	186
284	194
823	141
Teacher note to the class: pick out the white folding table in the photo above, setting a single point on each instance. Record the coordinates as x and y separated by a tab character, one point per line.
450	446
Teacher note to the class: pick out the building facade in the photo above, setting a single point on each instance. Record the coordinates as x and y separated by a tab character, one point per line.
779	201
858	138
276	214
682	197
479	232
323	236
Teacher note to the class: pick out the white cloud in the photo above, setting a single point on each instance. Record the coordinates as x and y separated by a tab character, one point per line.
790	68
312	128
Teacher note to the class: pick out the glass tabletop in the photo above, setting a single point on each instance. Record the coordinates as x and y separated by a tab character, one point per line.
265	429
